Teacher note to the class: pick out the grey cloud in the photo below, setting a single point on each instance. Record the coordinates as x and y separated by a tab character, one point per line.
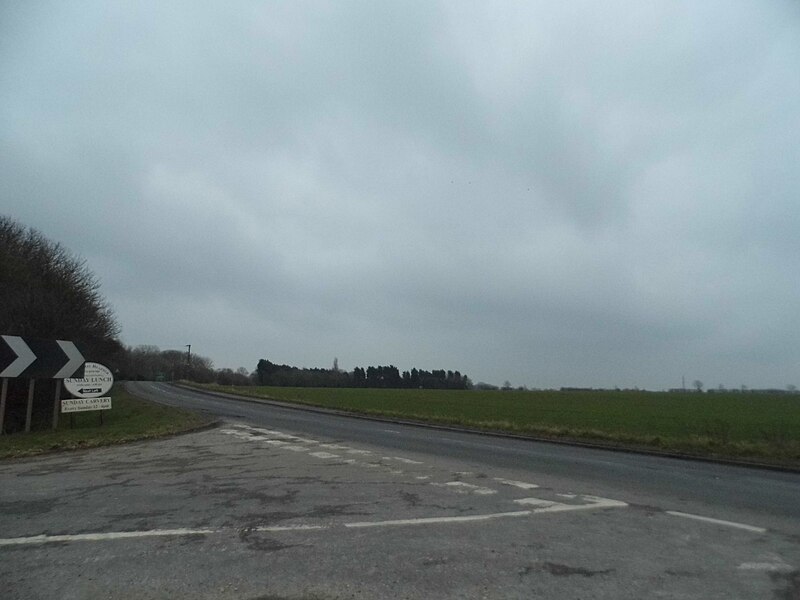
551	194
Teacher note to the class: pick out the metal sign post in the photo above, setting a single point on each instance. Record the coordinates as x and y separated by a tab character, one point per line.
3	395
56	404
29	414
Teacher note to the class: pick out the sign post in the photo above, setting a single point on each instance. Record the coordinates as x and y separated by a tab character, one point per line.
29	412
3	395
56	404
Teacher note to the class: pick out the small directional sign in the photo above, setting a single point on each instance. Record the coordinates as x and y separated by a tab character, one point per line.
39	359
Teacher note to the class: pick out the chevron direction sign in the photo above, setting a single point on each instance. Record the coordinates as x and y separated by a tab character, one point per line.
39	359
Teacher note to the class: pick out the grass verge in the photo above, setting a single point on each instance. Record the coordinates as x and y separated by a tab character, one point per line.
129	419
749	427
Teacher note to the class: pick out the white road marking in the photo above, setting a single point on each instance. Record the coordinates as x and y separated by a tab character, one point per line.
593	503
290	442
406	461
744	526
431	520
324	455
278	528
296	448
535	502
279	434
520	484
590	503
391	431
780	567
98	537
466	488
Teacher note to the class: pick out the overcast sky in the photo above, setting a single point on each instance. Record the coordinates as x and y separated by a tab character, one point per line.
550	193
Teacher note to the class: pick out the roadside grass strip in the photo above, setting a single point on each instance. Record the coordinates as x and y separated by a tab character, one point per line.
130	419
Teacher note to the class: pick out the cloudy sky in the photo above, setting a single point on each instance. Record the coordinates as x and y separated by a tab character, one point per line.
550	193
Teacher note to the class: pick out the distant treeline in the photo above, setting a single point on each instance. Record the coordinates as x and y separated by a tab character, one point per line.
269	373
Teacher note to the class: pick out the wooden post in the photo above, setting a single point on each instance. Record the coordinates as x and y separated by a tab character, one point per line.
30	406
57	404
3	403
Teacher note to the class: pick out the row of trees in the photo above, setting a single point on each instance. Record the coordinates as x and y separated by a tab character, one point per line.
269	373
151	364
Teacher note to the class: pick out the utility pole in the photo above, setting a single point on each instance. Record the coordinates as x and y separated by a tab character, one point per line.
188	354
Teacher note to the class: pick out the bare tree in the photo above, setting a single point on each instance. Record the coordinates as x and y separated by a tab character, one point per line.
698	385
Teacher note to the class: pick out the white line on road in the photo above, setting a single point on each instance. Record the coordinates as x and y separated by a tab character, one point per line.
98	537
776	567
406	461
431	520
295	448
536	502
466	488
324	455
543	507
593	503
520	484
752	528
279	528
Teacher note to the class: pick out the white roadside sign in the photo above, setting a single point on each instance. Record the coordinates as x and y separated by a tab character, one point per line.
96	381
82	404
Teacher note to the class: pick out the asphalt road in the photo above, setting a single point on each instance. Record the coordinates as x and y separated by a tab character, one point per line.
282	503
718	487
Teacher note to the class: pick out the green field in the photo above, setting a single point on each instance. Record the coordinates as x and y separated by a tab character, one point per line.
757	427
129	419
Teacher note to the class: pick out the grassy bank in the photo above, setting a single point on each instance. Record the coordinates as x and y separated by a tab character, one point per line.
129	419
725	425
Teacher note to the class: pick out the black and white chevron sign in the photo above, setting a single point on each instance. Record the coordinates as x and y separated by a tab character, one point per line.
39	359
